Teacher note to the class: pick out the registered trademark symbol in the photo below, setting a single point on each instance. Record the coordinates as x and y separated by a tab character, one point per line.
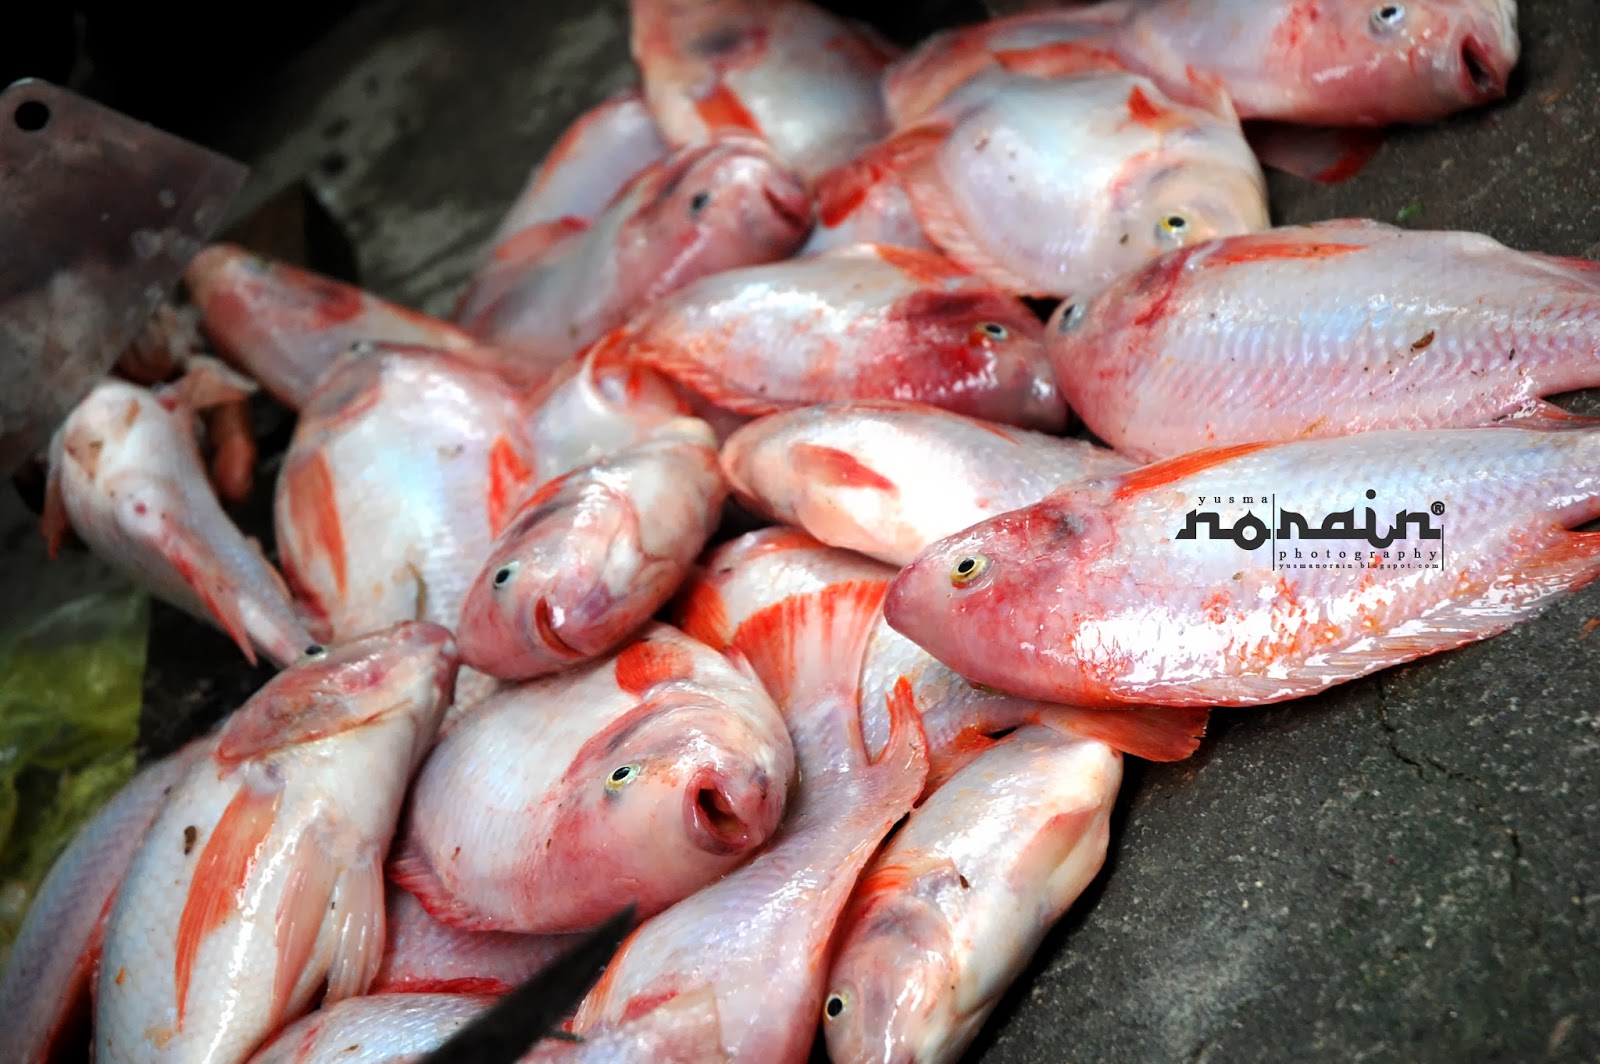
1437	508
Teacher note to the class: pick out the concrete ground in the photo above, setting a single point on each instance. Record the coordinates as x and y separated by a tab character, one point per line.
1405	869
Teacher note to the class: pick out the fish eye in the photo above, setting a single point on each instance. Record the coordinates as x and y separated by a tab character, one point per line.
993	330
1172	227
621	776
316	650
1071	318
1387	17
502	576
968	569
698	203
834	1007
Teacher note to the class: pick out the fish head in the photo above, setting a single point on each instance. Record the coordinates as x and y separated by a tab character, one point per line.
1122	315
986	601
676	792
726	203
543	599
980	342
1201	182
405	673
892	990
1392	61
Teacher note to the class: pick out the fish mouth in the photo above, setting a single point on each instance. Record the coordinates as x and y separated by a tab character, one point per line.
717	823
1481	75
792	207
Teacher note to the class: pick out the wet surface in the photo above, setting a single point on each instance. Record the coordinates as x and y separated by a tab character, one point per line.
1404	869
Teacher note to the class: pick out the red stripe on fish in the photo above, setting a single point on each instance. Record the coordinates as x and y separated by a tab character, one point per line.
722	109
829	465
924	267
508	476
1058	59
1173	470
646	664
216	891
308	491
1234	253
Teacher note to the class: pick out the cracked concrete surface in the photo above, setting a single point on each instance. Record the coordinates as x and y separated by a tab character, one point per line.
1404	869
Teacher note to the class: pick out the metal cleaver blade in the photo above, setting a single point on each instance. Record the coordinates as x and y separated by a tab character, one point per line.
99	216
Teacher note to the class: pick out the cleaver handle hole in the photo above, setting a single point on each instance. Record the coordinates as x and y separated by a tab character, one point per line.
31	115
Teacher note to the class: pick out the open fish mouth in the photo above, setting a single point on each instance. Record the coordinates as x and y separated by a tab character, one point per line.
1481	77
716	823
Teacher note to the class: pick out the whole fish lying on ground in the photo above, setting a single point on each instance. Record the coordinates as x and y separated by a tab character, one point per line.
888	478
262	879
1324	330
126	476
1053	187
1144	588
44	990
787	71
551	290
285	326
746	576
759	936
586	559
583	171
1321	62
638	779
405	463
865	322
423	956
953	908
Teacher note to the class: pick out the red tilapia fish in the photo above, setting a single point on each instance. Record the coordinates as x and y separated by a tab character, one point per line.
1053	187
638	779
261	881
950	912
787	71
404	465
758	937
862	323
1322	62
598	154
1324	330
551	290
887	478
127	477
588	558
285	326
423	956
1244	575
749	575
44	990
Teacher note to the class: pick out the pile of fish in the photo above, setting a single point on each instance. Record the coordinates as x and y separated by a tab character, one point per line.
849	767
